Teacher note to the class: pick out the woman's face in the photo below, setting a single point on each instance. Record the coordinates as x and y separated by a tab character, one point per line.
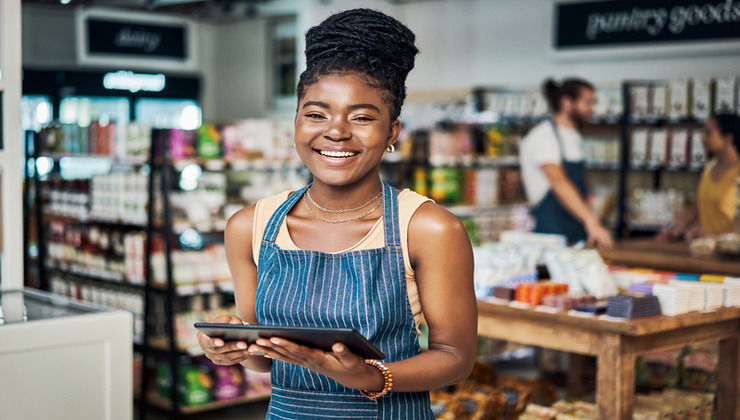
342	128
712	139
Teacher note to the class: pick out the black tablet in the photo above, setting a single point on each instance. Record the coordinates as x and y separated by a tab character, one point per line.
320	338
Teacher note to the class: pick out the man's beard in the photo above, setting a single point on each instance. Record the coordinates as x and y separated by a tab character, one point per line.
578	119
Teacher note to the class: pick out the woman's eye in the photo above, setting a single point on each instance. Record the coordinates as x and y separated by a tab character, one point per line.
314	115
364	118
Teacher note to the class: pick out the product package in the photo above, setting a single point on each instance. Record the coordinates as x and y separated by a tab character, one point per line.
659	369
658	149
679	141
701	98
640	96
724	98
639	149
679	94
697	156
659	100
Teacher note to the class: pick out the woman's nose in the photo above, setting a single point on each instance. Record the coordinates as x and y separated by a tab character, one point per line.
338	130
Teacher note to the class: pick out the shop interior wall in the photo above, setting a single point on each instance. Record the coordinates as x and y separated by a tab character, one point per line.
464	43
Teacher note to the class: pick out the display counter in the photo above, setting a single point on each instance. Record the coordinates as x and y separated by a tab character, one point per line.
616	344
673	256
62	359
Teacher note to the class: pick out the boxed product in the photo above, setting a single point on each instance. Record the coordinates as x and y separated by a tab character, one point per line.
698	154
679	94
639	149
701	98
679	147
724	98
658	149
640	96
659	100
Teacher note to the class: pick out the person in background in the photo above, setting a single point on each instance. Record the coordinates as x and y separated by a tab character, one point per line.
349	250
717	195
552	166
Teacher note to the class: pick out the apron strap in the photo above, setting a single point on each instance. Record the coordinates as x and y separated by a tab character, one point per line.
273	226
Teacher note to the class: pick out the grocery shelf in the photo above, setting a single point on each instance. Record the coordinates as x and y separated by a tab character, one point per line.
165	404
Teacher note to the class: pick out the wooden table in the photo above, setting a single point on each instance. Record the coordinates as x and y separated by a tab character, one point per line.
617	344
671	256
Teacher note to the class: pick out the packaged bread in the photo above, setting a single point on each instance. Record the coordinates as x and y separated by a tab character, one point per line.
445	406
538	412
477	406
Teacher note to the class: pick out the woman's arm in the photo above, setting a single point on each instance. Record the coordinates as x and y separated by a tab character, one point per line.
442	257
238	243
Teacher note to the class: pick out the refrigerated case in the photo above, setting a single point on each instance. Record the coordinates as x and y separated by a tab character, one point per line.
63	359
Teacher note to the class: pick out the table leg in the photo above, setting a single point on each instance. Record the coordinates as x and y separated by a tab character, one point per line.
728	379
615	379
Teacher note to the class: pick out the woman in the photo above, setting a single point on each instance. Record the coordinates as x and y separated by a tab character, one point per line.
716	197
349	250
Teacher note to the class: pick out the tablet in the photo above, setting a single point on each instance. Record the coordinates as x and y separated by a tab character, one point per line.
320	338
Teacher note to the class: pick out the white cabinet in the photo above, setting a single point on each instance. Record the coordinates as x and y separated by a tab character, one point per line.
63	360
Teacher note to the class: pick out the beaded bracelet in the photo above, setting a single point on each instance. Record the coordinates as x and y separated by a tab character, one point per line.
387	380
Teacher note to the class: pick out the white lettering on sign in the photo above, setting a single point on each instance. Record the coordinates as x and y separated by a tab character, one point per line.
134	82
147	41
654	21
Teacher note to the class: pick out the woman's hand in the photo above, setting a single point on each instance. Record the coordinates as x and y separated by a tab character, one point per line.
339	364
225	353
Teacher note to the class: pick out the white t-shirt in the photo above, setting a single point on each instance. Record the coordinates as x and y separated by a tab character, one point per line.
540	147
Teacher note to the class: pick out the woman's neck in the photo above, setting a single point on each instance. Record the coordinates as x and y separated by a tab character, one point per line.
728	157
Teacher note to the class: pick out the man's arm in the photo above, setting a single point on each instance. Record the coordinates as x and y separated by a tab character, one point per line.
571	200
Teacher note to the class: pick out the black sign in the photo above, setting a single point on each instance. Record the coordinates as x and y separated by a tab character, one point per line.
629	22
139	40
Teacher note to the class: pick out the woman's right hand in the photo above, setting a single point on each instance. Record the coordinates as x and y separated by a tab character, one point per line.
223	352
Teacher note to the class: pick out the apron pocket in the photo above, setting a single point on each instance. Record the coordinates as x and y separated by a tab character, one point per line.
299	404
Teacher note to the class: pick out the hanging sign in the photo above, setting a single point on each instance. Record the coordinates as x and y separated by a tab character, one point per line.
634	22
130	39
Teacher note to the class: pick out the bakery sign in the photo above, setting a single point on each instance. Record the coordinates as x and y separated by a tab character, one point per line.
123	38
622	23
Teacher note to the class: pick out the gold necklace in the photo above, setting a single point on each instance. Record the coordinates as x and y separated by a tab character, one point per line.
308	193
305	202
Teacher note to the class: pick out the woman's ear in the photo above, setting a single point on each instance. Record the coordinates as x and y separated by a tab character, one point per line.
394	133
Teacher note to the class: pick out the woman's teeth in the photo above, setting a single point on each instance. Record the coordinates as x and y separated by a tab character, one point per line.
337	154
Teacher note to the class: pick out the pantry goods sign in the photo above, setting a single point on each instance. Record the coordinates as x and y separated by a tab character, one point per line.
635	22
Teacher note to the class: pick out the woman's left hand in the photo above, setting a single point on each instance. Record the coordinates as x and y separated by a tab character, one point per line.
339	364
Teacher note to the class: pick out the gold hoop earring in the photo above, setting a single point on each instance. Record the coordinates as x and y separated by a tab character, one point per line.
390	149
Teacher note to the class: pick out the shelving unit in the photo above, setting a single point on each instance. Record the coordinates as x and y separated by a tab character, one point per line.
83	278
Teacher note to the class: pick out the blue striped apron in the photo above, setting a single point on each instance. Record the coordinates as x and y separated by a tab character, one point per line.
364	290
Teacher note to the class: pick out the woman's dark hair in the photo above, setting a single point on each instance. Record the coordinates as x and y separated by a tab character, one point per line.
569	88
729	124
364	41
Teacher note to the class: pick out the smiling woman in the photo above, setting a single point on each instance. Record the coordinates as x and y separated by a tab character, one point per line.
357	253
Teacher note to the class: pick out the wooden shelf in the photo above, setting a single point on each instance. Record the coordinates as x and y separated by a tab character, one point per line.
166	404
671	257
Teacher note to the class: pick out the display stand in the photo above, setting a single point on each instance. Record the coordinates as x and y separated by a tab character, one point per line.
616	344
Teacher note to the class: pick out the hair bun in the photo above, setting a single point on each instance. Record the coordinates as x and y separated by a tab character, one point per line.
366	37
